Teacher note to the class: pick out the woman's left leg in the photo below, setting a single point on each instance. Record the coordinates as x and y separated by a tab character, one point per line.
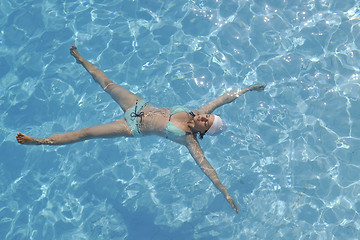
118	128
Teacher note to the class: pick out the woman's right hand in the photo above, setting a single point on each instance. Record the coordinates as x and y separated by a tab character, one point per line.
258	87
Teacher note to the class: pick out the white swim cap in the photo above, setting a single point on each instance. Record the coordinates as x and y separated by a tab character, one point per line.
217	127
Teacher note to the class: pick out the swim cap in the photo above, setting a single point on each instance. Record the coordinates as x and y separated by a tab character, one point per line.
217	127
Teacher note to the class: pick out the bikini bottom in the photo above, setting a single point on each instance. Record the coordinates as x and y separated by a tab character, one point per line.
133	117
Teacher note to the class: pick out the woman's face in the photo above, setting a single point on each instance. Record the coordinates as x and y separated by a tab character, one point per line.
203	122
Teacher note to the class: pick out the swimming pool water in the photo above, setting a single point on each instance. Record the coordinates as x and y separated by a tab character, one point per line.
290	156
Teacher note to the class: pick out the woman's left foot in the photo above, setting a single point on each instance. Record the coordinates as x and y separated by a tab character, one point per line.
25	139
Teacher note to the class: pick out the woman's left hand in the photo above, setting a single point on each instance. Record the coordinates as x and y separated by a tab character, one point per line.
232	203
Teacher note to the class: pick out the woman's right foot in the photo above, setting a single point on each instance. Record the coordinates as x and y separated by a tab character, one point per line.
75	53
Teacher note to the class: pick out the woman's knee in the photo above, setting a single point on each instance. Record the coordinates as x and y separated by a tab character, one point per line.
107	86
85	133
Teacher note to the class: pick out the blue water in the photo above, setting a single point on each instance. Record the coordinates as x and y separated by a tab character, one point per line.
290	156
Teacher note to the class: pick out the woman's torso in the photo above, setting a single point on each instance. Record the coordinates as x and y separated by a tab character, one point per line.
156	121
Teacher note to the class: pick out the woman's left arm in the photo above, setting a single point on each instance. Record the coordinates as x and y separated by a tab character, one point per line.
196	152
228	98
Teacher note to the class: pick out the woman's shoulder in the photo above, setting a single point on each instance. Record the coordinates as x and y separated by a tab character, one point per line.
196	111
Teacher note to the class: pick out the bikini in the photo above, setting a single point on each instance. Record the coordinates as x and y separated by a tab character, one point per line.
133	114
173	131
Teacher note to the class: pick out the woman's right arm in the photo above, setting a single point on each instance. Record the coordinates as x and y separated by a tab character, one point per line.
228	98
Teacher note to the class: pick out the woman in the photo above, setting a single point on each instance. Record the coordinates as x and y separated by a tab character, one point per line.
178	124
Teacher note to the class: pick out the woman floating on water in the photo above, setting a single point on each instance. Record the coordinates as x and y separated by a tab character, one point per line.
178	124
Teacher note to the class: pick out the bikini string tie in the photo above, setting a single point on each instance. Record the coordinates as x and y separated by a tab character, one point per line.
135	114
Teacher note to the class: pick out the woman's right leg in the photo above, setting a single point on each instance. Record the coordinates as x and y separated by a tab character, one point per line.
122	96
118	128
